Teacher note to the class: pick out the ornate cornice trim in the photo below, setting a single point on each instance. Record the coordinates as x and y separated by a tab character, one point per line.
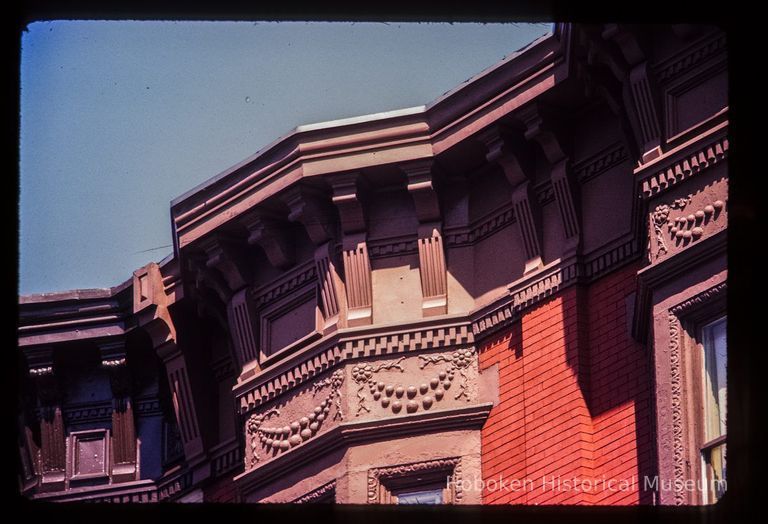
347	345
685	61
522	296
226	458
317	493
600	162
681	165
684	308
441	333
299	276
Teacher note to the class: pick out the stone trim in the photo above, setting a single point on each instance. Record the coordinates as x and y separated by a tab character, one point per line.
378	477
676	315
524	294
600	162
297	277
317	493
348	433
675	170
338	348
683	62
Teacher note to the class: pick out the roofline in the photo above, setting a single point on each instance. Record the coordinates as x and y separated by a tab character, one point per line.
361	119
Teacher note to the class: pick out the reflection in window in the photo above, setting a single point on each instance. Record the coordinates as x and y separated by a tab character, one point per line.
715	407
431	496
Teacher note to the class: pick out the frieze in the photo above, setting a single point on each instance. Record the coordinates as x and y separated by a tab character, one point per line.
431	337
698	215
417	392
280	438
601	162
681	63
296	278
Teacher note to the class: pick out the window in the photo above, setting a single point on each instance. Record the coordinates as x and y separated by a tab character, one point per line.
430	496
713	450
431	482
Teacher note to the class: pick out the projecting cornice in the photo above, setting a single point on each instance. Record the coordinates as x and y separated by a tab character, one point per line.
354	144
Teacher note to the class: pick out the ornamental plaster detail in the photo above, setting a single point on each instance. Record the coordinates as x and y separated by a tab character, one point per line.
278	439
376	475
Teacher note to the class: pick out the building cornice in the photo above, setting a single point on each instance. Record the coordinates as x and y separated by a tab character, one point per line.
353	144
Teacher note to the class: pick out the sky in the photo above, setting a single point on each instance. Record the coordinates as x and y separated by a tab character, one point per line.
119	118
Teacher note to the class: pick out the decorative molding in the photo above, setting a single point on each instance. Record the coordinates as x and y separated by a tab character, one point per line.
388	247
276	440
317	494
666	177
452	466
482	228
355	432
336	349
545	193
363	374
433	273
683	229
328	283
528	223
41	371
226	460
521	297
357	275
459	361
600	162
677	407
713	293
270	233
645	110
659	218
690	58
297	277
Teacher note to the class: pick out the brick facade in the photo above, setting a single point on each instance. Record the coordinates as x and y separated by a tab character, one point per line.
574	400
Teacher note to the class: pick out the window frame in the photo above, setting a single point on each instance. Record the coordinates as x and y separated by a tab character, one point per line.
385	483
693	316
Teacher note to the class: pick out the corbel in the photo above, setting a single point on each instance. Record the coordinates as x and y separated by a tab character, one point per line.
52	437
267	230
347	197
527	212
641	89
313	209
222	254
113	356
158	324
432	267
565	189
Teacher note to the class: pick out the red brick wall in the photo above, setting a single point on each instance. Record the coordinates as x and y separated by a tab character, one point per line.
574	401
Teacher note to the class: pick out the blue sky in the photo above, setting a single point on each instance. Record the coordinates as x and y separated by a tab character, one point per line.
119	118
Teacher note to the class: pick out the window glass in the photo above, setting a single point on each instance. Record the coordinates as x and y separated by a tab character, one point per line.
431	496
715	353
715	406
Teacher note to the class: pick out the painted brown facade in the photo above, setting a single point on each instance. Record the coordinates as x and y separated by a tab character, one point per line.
506	285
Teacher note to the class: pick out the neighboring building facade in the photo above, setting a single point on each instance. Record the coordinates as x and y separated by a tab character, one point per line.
477	301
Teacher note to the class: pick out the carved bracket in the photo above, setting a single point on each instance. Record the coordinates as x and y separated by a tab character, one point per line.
272	235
